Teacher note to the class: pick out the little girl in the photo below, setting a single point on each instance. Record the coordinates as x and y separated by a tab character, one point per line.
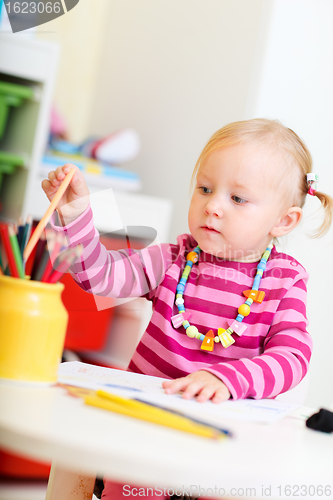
229	313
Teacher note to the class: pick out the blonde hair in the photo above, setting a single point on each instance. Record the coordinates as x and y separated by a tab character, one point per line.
275	136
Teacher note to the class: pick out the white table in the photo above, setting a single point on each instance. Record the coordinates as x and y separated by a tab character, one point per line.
261	461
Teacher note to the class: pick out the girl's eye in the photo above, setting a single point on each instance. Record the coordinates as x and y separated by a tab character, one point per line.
205	190
238	200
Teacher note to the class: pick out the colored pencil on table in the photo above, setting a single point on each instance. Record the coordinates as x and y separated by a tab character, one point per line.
8	250
151	413
42	223
65	261
16	251
38	255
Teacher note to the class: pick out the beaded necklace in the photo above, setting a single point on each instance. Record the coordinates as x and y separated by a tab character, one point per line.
223	336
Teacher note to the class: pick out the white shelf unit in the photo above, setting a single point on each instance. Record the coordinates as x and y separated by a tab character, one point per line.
32	63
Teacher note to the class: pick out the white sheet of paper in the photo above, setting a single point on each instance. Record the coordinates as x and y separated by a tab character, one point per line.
149	389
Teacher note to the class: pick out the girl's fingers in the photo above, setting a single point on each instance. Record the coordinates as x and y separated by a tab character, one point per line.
202	384
173	386
206	393
52	177
222	394
61	172
58	175
193	389
48	187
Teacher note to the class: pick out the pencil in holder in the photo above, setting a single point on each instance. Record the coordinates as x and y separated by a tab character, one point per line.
33	323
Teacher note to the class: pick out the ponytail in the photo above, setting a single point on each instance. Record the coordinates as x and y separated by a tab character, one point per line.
327	205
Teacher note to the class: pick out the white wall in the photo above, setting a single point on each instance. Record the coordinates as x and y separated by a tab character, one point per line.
175	71
293	81
80	34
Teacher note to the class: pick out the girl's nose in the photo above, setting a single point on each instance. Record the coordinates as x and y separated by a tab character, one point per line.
214	208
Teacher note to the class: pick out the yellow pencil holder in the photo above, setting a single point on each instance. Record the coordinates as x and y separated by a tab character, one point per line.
33	323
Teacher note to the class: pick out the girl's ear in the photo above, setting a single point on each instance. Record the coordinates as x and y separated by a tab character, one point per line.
288	222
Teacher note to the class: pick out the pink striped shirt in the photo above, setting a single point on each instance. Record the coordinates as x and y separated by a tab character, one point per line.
273	354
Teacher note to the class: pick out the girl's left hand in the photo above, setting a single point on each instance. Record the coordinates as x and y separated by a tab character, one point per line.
202	384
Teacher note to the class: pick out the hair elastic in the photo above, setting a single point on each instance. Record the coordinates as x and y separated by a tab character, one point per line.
312	180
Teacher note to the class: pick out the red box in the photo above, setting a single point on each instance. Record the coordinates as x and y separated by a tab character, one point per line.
14	466
87	326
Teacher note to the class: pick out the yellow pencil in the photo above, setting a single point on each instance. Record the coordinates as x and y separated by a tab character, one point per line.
143	411
42	223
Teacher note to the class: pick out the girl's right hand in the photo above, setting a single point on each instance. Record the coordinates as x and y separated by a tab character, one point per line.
75	200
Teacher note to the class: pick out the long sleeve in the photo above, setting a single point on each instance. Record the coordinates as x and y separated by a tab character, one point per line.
118	274
286	353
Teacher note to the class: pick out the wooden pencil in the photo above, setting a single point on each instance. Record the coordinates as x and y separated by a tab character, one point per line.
26	234
42	262
38	255
16	251
20	229
41	225
8	250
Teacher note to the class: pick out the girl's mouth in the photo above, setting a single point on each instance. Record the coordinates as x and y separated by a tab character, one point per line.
210	229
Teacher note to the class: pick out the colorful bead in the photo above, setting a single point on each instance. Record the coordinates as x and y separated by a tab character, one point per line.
244	310
208	341
191	331
178	319
256	283
238	327
223	336
193	257
255	295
